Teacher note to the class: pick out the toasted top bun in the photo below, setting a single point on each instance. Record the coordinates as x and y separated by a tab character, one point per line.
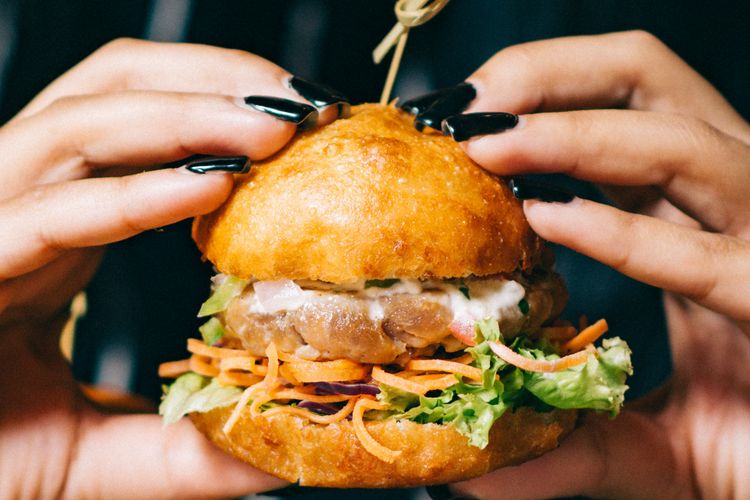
298	450
368	197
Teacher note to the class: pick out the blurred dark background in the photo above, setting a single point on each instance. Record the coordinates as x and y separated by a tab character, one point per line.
143	301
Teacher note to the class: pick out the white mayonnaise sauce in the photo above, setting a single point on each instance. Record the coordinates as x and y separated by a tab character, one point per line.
490	298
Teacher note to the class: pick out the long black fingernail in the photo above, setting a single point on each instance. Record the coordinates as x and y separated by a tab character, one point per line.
420	103
442	492
321	95
452	102
462	127
302	115
206	164
525	189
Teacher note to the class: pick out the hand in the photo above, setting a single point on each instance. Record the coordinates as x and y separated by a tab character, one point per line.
676	160
70	183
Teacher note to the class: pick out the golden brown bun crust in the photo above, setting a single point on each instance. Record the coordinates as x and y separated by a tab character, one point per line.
368	197
296	450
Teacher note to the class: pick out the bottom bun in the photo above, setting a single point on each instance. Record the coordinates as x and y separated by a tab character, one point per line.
297	450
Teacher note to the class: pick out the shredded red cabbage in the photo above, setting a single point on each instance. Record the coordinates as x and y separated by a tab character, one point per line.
347	389
322	408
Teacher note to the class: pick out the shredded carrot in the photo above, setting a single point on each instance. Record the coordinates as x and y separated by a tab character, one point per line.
537	365
558	333
441	365
401	383
318	419
259	401
272	375
587	336
340	370
173	369
435	381
239	379
464	359
368	442
237	363
293	394
285	356
244	399
197	347
202	367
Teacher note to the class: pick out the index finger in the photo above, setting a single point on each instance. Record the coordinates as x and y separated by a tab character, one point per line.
128	64
602	71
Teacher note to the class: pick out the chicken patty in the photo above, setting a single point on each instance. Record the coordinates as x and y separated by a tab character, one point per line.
380	324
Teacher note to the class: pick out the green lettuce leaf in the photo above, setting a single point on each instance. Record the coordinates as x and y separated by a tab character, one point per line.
211	331
222	295
473	408
598	384
470	408
194	393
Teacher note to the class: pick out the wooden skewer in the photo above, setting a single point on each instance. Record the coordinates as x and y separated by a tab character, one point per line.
409	13
393	70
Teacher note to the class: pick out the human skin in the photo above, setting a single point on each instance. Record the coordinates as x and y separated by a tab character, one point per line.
623	111
80	169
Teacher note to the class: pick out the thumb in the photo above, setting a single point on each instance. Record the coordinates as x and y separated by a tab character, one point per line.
630	457
134	456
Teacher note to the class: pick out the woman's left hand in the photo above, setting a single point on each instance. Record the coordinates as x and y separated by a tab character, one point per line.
623	111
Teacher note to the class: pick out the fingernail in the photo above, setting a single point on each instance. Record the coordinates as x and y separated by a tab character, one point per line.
452	102
302	115
420	103
208	164
442	492
524	189
320	95
465	126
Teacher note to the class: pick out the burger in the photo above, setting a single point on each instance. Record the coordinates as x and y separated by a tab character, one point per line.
383	316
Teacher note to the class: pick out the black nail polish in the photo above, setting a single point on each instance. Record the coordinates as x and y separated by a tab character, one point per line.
420	103
320	95
452	102
462	127
525	189
205	164
302	115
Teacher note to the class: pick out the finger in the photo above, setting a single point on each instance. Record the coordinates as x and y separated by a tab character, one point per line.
699	169
712	269
128	64
597	460
612	70
132	128
28	296
137	457
43	223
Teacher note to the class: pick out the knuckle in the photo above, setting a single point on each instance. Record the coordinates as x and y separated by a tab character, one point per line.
642	40
518	57
517	68
119	45
126	214
576	127
693	135
625	225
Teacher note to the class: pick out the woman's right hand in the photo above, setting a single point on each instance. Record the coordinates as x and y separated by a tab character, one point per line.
82	166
